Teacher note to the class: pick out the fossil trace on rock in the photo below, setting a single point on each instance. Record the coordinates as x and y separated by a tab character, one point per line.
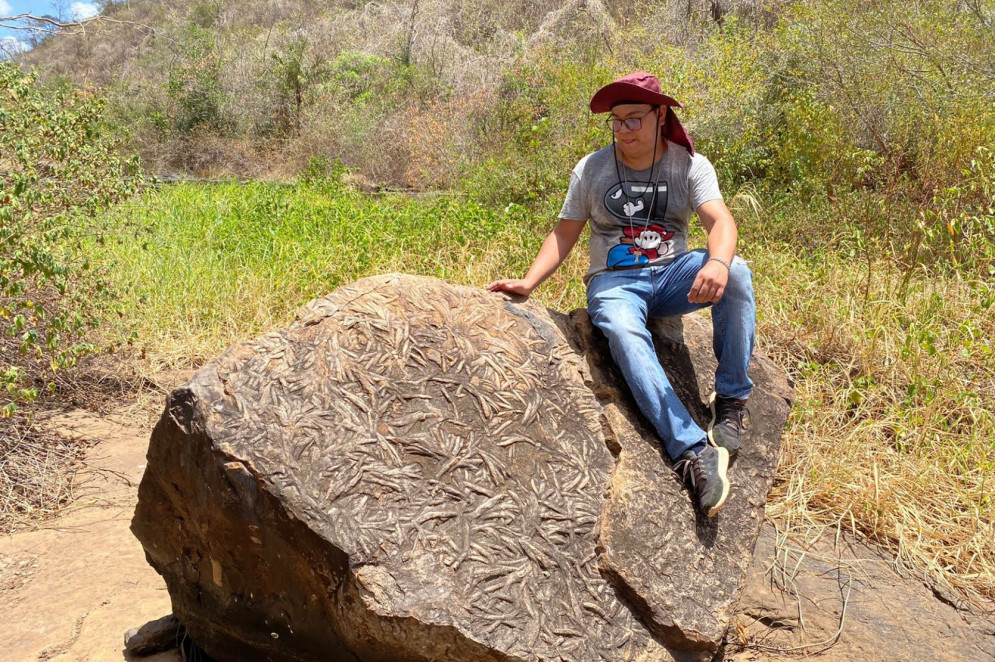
417	471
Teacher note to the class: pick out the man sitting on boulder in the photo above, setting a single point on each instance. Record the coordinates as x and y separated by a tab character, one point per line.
639	194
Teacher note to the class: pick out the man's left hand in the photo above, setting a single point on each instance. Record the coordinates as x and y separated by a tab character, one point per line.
710	283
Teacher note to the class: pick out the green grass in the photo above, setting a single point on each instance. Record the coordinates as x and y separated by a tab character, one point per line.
891	433
201	267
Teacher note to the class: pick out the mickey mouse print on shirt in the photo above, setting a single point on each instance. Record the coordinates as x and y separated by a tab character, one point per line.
641	240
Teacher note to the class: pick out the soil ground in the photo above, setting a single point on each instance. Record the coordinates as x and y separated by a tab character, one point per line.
71	589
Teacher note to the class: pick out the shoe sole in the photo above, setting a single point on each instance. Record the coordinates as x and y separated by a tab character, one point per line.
708	432
723	468
711	408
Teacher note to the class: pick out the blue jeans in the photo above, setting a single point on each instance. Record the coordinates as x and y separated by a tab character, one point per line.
620	302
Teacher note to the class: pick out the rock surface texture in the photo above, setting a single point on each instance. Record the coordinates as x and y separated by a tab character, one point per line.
415	471
681	572
825	596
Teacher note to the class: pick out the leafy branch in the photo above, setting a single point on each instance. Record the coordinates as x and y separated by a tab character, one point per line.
58	171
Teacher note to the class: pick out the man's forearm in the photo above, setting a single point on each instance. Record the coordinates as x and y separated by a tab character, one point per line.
551	255
722	240
554	250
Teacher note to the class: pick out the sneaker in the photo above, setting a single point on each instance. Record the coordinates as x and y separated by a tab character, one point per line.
706	472
726	429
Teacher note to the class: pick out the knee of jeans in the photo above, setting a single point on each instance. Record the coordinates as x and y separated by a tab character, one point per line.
618	321
740	279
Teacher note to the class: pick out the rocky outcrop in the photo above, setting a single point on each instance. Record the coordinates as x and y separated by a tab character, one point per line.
415	471
679	571
820	593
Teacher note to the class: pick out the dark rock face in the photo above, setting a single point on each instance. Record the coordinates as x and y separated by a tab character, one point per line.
415	471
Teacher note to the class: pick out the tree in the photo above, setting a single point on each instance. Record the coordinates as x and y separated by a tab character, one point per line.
296	68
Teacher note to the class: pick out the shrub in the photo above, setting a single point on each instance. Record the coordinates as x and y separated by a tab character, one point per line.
194	85
57	171
536	131
294	70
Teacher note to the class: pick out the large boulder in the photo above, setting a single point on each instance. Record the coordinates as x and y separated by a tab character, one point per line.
415	471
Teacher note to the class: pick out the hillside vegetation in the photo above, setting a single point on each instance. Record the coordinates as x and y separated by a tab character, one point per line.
855	142
877	118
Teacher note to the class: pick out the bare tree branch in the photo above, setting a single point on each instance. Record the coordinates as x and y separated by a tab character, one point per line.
9	22
48	25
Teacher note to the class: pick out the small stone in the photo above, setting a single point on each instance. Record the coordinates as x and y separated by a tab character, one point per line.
162	634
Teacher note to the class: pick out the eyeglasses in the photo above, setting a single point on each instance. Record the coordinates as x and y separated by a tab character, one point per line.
630	123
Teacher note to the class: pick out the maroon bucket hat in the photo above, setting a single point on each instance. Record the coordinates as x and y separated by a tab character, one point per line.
641	87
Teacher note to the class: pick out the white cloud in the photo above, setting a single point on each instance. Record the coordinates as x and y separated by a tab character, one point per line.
80	11
5	8
11	46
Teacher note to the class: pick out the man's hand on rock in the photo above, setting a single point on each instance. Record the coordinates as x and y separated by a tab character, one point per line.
710	283
512	286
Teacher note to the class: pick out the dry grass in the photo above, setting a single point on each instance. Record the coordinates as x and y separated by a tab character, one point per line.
37	473
39	467
891	433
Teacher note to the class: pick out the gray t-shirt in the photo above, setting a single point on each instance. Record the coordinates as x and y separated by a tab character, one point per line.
638	218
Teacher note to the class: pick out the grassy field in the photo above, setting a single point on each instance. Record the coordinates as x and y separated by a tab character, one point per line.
202	267
892	431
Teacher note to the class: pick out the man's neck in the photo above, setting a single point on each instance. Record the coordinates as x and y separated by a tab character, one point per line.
643	161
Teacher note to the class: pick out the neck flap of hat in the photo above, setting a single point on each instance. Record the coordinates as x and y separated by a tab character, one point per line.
675	132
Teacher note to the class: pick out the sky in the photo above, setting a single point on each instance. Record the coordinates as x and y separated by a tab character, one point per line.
13	39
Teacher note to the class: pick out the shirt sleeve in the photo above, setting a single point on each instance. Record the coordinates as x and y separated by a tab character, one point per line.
575	206
703	184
